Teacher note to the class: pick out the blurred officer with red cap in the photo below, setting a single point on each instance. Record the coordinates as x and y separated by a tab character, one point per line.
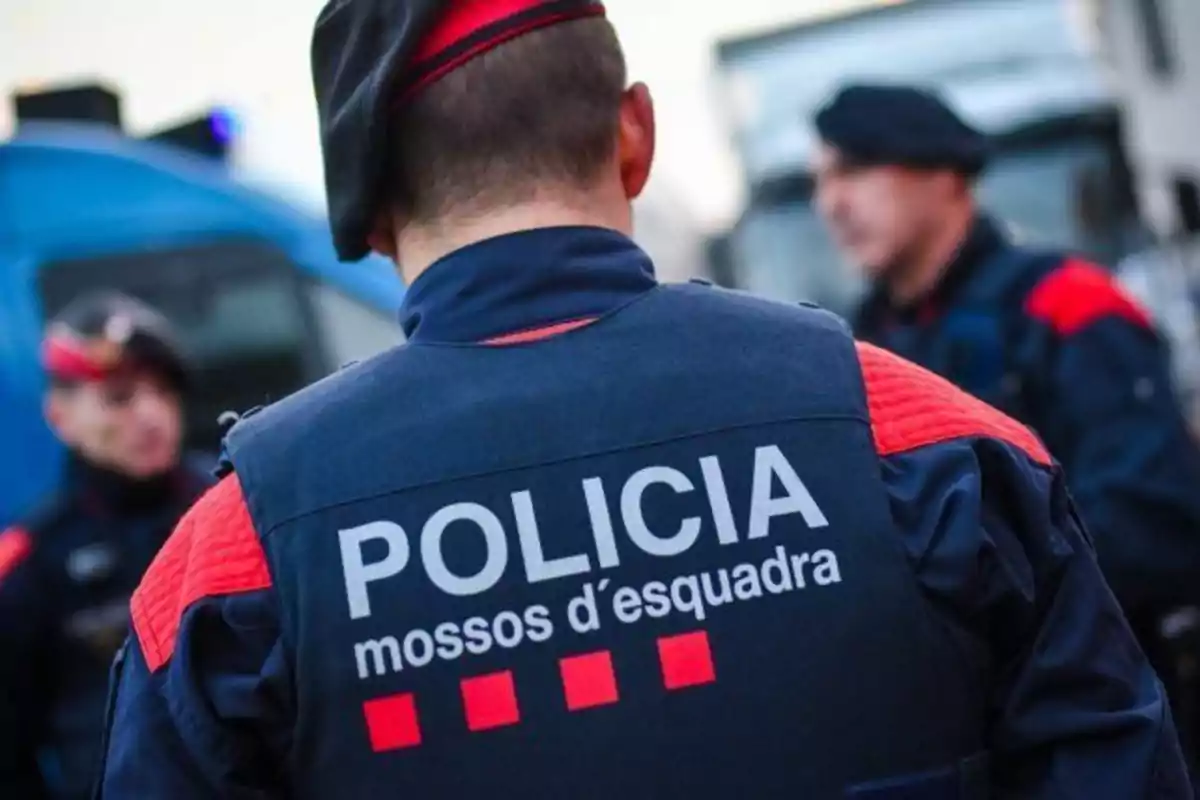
67	570
584	535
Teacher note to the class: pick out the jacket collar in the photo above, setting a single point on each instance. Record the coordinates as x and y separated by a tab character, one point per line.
106	492
984	239
522	281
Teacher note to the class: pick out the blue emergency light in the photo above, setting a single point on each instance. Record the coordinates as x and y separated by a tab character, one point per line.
223	124
211	134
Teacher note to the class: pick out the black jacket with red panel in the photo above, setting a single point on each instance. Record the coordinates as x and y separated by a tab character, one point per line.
67	571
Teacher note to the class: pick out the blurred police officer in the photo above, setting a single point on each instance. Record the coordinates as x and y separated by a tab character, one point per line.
1045	336
67	571
585	535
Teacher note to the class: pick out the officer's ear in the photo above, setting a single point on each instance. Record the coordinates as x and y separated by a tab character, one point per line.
636	139
382	238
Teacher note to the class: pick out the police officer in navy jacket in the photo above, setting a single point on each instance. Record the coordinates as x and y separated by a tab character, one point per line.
584	535
1045	336
116	385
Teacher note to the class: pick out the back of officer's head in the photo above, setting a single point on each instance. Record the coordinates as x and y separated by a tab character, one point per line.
448	122
895	169
116	379
538	116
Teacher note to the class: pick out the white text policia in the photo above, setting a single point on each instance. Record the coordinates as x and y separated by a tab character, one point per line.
770	466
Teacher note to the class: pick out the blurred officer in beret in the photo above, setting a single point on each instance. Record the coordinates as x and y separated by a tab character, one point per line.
584	535
116	386
1044	335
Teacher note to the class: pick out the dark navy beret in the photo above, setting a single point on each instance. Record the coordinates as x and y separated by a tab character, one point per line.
369	55
903	125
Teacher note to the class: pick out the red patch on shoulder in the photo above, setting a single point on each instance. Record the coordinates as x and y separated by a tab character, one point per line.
911	407
1079	293
15	546
214	551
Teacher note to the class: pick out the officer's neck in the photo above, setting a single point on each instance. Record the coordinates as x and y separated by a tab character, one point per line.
419	246
922	269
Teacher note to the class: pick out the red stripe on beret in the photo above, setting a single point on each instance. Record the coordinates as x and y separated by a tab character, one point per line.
471	27
464	18
66	360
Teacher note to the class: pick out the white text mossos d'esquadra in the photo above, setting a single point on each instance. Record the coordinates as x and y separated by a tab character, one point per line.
770	466
598	604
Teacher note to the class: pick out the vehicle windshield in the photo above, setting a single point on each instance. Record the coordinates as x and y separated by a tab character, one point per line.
1064	193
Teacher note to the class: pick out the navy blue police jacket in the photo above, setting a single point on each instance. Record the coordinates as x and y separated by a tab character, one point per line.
589	536
1055	342
66	574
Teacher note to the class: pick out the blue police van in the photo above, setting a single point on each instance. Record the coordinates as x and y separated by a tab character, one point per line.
261	303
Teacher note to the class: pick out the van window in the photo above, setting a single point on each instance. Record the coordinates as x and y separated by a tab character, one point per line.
241	311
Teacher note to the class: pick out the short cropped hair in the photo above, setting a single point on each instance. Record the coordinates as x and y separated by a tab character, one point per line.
539	111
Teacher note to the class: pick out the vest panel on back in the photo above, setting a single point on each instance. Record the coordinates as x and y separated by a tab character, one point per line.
648	557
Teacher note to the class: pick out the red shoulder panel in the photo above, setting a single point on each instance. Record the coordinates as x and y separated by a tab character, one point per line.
15	547
911	407
213	552
1077	294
